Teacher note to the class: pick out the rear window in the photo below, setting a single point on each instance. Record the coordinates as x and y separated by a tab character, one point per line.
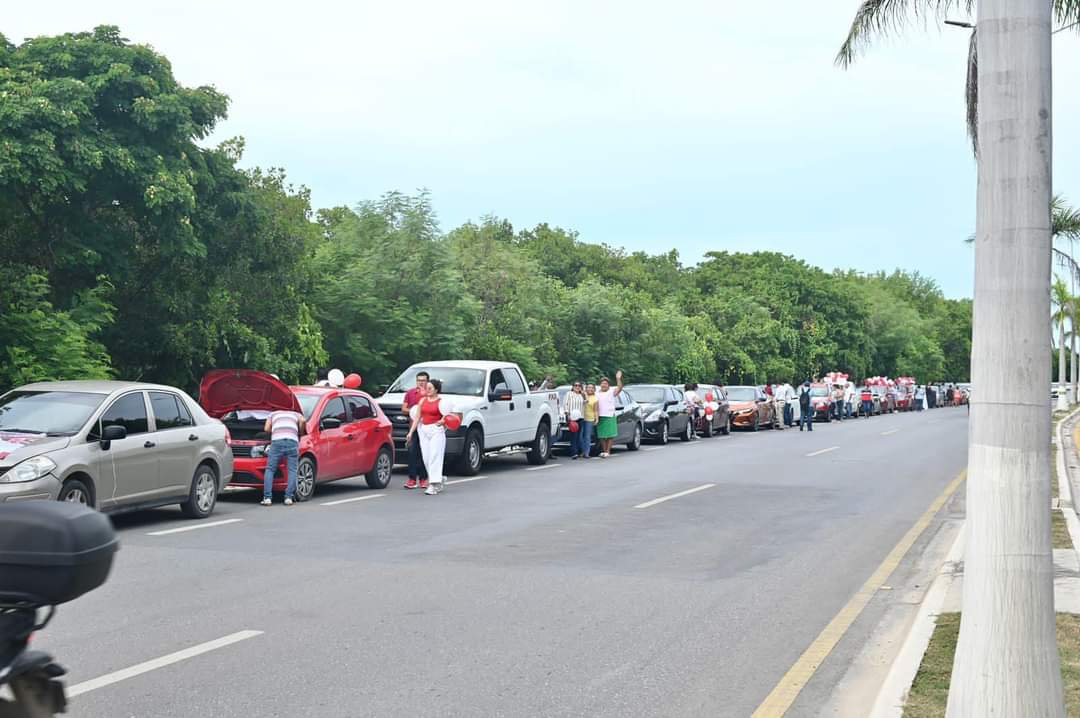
168	413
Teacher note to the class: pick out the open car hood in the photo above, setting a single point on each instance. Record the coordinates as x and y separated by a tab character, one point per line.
225	390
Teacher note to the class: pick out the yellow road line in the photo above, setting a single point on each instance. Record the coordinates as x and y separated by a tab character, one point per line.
777	703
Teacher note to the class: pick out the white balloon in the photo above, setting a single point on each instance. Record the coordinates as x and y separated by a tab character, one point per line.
414	411
336	377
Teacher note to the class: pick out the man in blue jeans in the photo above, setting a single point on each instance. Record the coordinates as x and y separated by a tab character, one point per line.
806	411
285	429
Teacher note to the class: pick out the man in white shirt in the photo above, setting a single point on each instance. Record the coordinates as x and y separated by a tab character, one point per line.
849	399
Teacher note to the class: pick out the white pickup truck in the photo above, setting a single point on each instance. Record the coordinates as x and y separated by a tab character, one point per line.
498	411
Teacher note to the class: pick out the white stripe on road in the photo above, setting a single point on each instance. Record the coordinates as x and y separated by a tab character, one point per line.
669	497
890	431
823	451
464	481
349	501
137	670
194	527
654	448
545	466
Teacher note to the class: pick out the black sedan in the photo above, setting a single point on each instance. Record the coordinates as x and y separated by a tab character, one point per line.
629	418
665	411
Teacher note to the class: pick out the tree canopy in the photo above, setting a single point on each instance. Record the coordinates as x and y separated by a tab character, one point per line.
133	250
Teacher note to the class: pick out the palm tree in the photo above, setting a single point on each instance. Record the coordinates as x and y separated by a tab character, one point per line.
876	18
1060	298
1007	661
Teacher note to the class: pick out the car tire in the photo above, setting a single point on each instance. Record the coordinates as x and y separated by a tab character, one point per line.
472	453
306	478
76	492
708	429
540	450
635	443
688	433
202	498
381	473
726	429
757	422
665	433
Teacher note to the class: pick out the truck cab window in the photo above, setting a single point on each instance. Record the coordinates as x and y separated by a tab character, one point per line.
514	381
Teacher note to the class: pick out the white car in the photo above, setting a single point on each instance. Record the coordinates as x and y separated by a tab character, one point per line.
498	411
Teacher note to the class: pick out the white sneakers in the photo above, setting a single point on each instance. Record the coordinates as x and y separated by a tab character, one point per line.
288	502
266	502
433	488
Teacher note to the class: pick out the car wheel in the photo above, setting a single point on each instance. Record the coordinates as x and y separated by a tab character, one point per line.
382	471
305	478
708	428
75	491
726	428
541	446
203	495
665	433
757	422
472	453
635	443
688	432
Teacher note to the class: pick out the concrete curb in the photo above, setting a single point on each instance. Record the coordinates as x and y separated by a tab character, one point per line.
1065	494
894	691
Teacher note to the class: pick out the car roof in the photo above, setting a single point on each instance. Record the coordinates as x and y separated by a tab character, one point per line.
93	386
657	386
742	386
466	364
324	390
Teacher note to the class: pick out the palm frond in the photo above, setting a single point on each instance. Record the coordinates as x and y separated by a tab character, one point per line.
971	91
1067	13
878	18
1064	220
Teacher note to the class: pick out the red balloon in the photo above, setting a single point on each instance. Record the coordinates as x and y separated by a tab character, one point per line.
452	421
708	412
574	428
708	396
353	381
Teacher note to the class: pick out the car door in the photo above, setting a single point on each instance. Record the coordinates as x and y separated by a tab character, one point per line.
333	449
177	444
764	407
128	469
524	418
623	417
677	412
500	424
361	433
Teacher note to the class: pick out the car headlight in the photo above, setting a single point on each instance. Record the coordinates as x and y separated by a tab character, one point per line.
258	452
29	470
744	412
655	416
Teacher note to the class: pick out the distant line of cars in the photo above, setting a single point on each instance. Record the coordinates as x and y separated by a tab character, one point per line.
126	445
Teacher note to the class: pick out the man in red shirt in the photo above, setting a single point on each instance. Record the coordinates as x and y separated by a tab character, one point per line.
417	470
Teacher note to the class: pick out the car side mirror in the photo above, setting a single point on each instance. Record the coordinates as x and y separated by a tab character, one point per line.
111	433
330	422
501	392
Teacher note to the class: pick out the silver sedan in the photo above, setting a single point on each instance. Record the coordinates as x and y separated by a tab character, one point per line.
112	445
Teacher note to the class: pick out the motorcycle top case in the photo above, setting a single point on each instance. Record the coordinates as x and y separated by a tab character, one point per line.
52	552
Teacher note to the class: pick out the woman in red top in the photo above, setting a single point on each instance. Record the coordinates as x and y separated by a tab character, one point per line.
428	424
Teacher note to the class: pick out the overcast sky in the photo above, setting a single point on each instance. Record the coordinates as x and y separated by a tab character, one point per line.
692	125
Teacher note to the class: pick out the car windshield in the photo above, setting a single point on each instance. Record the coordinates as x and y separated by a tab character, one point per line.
741	393
819	391
307	403
648	394
58	413
455	380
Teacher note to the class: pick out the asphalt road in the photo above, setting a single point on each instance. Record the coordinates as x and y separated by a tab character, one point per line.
526	593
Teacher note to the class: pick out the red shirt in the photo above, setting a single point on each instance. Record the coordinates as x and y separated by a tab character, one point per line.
412	397
430	413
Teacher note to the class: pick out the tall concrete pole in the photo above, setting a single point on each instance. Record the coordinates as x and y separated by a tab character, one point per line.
1006	660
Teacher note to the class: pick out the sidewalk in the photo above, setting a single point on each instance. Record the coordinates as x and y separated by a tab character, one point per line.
946	592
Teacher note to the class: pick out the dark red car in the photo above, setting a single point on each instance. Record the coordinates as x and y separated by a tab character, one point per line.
347	433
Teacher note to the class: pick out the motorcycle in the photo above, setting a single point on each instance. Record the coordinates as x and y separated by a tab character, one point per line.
50	553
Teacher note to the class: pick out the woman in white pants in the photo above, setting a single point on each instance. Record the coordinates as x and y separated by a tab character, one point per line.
428	423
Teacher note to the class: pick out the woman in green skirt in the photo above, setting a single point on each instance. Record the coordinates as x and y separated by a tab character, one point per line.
606	427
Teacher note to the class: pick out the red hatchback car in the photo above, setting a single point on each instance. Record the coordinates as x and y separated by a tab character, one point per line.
347	433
